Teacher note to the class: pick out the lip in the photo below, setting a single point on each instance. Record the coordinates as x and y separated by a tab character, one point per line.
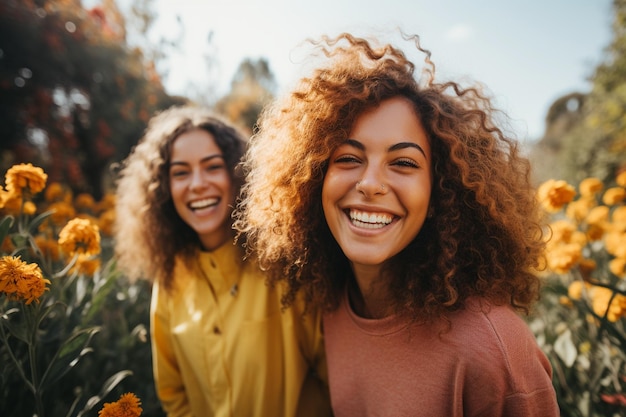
369	219
203	203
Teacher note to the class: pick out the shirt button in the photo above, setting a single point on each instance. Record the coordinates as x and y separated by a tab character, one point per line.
217	330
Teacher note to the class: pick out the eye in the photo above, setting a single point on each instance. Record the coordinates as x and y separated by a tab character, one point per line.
178	173
346	159
406	162
215	166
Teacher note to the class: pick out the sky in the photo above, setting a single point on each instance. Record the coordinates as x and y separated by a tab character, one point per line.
527	53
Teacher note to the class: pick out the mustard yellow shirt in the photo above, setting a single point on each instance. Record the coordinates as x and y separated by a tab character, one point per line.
222	347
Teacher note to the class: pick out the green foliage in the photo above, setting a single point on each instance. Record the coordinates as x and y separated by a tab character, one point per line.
74	97
84	343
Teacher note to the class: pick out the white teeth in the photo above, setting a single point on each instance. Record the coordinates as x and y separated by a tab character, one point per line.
199	204
369	221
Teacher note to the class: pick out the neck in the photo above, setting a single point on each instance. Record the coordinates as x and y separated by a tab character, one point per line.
369	294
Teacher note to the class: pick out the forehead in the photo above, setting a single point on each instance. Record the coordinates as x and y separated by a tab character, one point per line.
393	121
197	142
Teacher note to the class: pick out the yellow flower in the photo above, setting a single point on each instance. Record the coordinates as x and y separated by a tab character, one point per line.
561	258
20	280
575	289
61	212
127	406
598	215
48	247
23	176
54	192
618	266
590	186
579	209
29	208
587	266
84	202
12	202
80	236
613	196
615	244
600	297
621	179
619	214
86	265
553	194
562	231
106	221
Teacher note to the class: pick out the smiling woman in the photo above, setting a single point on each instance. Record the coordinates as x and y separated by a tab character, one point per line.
221	344
400	208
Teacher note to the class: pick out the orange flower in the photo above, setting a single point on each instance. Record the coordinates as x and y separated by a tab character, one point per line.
590	186
84	202
621	179
553	194
579	209
80	236
562	258
54	192
613	196
23	176
128	405
618	266
21	281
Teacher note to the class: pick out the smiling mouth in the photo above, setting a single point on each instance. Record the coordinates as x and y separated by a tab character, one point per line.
205	203
369	220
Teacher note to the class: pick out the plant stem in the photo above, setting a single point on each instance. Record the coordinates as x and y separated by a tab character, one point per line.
33	324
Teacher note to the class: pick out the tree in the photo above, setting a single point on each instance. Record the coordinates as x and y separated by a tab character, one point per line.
74	97
252	87
593	143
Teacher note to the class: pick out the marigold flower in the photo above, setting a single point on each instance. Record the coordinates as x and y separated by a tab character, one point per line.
590	186
619	214
618	266
48	247
598	215
86	265
562	231
106	203
575	289
54	192
80	236
553	194
61	212
12	202
615	244
106	221
23	176
579	209
621	179
128	405
613	196
20	280
562	258
84	202
600	297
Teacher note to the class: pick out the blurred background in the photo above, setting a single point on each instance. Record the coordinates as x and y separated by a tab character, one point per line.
80	79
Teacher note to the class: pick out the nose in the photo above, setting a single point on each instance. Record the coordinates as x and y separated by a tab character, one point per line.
372	183
198	180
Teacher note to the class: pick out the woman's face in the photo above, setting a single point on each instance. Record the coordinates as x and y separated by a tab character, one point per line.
377	188
201	188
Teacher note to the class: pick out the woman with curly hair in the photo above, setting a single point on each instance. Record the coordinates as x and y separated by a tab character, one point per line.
221	344
401	208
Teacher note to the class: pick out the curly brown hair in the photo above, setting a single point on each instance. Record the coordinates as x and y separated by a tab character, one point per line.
485	237
149	233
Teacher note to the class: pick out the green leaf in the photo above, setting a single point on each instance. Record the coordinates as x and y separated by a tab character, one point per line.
107	387
68	355
5	226
16	328
34	225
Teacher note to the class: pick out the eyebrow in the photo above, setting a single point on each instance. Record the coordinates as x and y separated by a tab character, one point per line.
395	147
205	159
